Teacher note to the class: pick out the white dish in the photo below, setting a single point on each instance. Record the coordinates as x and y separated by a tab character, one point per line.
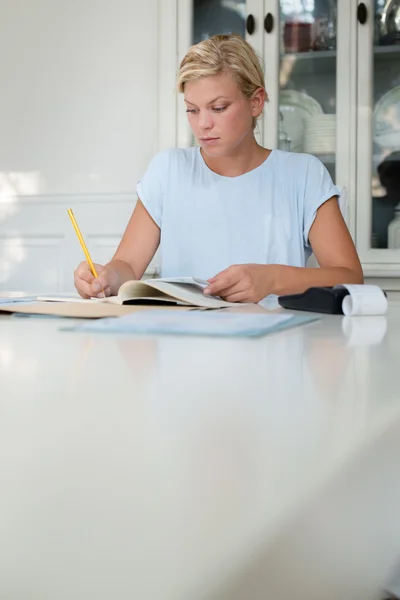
390	19
320	149
296	107
324	117
320	132
386	120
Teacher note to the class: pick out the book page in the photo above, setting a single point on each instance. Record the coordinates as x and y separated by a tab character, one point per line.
131	290
189	293
192	280
62	298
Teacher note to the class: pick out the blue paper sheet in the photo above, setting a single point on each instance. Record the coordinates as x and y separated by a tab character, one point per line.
210	323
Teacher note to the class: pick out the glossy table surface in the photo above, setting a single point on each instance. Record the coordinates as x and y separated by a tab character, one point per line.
169	468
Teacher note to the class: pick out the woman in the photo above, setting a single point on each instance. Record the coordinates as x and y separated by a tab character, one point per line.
230	211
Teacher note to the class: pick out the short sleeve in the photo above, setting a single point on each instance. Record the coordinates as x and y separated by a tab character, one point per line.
151	187
318	188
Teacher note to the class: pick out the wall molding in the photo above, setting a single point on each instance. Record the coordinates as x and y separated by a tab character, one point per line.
70	199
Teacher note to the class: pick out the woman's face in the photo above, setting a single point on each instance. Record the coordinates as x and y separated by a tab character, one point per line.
219	114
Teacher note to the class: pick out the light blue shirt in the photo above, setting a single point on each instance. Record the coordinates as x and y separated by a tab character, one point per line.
209	222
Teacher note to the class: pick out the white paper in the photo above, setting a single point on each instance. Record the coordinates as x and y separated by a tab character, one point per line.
66	298
364	300
17	300
190	280
213	323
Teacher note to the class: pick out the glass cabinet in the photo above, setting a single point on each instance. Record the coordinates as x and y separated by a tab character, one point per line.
378	134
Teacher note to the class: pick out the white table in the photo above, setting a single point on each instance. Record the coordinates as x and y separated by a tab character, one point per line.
173	468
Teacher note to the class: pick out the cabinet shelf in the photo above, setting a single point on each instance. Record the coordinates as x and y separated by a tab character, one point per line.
315	61
382	51
322	54
311	54
311	62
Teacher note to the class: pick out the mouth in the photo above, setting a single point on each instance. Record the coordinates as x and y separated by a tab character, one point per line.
208	139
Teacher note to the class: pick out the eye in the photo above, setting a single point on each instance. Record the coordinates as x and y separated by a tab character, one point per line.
191	110
219	108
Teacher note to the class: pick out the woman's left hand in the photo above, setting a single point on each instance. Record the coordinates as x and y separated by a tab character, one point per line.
243	283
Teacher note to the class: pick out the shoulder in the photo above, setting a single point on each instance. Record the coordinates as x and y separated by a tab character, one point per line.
297	161
173	157
304	174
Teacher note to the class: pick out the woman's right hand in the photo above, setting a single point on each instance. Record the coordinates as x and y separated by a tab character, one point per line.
106	284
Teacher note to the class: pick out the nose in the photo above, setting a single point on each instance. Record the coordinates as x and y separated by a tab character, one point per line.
206	120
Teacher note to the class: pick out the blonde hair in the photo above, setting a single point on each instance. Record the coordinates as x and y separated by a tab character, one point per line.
221	53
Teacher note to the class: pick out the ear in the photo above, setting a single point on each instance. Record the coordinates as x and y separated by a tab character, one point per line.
258	100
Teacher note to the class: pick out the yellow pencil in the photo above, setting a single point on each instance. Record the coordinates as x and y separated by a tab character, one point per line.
80	238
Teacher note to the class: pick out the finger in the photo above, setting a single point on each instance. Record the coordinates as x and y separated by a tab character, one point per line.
101	282
237	297
226	272
104	293
224	278
84	273
224	283
225	291
83	287
232	289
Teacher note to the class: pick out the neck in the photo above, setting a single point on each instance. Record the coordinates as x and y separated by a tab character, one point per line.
248	155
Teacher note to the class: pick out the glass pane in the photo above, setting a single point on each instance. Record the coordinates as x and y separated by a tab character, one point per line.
307	102
218	16
386	126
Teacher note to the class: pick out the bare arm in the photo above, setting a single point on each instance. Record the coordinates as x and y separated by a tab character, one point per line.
136	249
334	250
138	245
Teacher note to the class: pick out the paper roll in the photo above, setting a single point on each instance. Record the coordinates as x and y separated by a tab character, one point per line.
364	300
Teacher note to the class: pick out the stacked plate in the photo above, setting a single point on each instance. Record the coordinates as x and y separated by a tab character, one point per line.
295	109
387	120
320	134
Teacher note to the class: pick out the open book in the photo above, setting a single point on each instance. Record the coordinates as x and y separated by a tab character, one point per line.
175	291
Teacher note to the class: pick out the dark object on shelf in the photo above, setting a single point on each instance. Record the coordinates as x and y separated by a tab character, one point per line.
297	37
390	39
326	300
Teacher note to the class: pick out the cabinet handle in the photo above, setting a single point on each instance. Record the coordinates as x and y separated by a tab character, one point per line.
250	24
362	13
269	23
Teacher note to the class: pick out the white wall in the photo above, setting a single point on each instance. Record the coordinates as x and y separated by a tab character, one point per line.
79	121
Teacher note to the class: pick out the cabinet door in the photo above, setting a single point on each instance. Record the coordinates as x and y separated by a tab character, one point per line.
378	139
199	20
